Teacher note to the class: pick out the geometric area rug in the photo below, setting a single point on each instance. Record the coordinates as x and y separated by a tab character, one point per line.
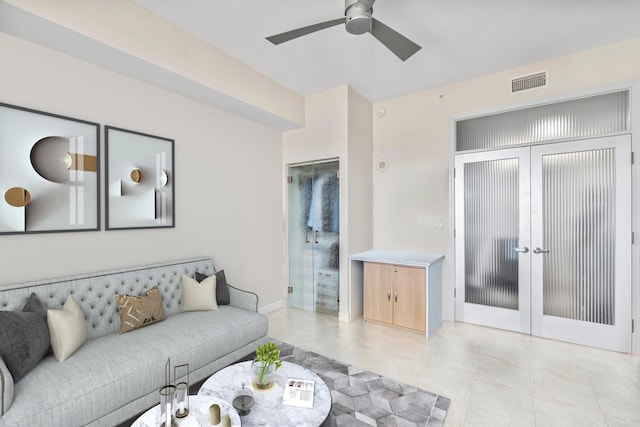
361	398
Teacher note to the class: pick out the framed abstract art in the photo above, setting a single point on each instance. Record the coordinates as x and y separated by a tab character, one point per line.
140	189
49	172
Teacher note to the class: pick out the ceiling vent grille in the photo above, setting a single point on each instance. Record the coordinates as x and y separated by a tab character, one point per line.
532	81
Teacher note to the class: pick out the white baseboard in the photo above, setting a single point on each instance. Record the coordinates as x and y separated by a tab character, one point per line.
277	305
343	317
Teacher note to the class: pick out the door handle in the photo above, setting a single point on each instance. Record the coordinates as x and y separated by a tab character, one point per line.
389	294
540	251
306	235
524	250
395	295
316	232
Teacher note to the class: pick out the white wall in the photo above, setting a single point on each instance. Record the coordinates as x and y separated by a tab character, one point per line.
228	170
338	125
325	134
359	193
411	198
360	160
116	36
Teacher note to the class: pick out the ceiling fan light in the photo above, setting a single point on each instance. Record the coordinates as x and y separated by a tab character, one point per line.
358	18
358	24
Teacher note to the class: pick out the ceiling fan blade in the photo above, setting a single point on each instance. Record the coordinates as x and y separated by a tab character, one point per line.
293	34
401	46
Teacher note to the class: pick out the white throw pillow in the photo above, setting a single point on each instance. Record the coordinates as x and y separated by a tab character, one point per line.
67	329
199	296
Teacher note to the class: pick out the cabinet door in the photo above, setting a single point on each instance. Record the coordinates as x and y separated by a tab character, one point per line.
409	298
378	292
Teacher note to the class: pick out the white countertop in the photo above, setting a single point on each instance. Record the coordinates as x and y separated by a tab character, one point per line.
402	258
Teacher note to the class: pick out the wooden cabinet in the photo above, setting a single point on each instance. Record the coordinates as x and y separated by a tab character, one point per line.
378	290
417	277
395	295
409	298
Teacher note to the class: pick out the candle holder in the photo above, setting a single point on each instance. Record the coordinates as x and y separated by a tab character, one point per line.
182	392
182	399
168	406
243	400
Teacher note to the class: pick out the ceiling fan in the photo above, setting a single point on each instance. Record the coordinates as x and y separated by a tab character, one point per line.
358	20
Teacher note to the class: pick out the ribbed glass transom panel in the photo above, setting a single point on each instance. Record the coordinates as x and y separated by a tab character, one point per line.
491	233
583	117
579	232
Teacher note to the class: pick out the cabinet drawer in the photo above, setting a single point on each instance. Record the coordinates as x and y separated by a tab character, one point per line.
327	304
327	283
327	301
328	276
326	290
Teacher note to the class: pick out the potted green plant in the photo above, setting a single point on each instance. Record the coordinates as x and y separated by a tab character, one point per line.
264	366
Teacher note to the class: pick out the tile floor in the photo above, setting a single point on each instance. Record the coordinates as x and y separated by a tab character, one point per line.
493	377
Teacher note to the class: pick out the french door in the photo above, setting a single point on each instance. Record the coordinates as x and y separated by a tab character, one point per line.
543	240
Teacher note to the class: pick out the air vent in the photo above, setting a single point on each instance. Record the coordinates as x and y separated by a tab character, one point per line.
532	81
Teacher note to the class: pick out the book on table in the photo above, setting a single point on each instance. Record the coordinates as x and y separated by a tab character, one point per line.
298	392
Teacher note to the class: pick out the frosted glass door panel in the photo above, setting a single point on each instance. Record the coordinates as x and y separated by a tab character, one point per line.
579	224
576	118
581	242
301	257
492	234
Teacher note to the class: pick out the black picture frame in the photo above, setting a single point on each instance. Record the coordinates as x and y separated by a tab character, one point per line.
139	180
49	172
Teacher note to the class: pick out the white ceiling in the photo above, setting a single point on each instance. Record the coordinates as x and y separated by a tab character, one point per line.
460	39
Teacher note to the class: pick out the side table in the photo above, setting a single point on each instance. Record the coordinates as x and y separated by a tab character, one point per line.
198	413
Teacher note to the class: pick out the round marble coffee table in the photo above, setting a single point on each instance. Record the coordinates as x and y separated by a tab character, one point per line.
268	409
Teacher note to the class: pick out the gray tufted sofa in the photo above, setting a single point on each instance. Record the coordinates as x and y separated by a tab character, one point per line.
114	376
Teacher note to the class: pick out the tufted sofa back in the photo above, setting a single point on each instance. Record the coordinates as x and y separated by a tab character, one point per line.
96	292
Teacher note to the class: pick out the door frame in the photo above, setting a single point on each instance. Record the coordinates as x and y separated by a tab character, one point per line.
286	171
633	85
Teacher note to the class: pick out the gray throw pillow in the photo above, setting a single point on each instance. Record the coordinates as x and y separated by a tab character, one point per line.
24	337
222	291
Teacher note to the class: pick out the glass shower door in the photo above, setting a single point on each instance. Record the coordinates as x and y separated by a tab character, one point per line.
314	237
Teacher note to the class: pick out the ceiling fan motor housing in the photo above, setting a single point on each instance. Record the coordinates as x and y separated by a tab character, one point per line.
358	13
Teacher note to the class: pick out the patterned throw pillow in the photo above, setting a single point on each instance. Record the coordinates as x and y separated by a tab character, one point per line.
136	312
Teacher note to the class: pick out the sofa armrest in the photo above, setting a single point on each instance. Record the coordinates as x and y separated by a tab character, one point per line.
243	299
6	388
